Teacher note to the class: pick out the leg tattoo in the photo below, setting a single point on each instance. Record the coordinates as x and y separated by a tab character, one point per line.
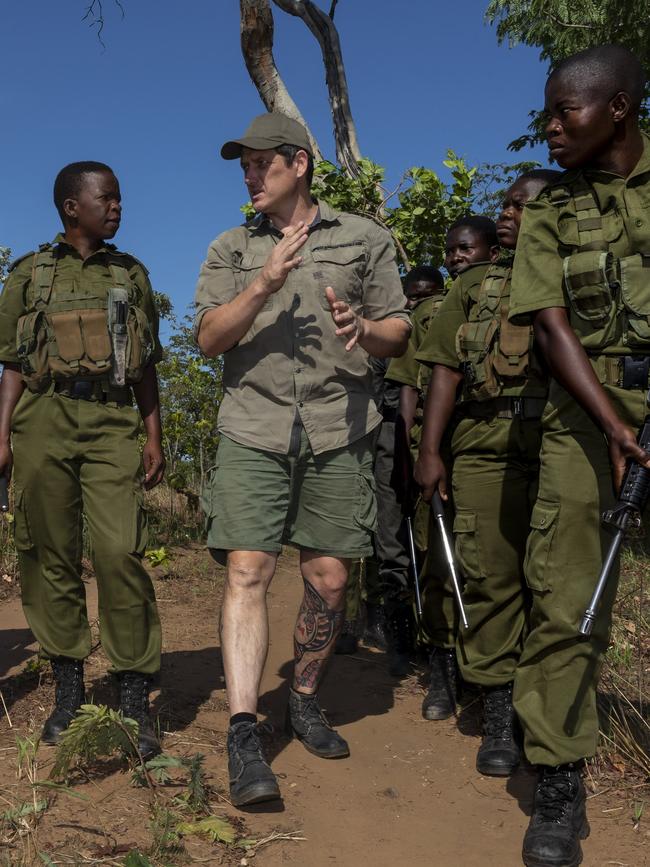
316	630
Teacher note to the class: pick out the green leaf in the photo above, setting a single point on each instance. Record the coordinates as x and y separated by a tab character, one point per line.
136	859
216	829
59	788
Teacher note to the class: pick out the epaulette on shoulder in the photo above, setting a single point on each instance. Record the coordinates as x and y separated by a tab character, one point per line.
133	259
20	259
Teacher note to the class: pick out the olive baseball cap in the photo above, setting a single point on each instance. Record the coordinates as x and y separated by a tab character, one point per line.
269	130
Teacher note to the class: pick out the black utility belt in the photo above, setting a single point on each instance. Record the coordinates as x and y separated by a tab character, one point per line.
627	371
504	407
92	389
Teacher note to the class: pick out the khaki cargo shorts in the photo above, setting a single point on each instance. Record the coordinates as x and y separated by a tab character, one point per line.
257	500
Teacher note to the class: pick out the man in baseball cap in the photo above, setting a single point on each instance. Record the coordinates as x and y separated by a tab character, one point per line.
267	131
295	300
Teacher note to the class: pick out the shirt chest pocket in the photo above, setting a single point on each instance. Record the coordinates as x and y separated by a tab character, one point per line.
246	267
342	267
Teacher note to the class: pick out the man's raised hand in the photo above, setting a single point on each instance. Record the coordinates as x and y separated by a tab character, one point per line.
348	324
283	258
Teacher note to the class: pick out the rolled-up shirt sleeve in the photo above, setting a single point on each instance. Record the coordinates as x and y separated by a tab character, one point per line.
216	284
383	295
537	271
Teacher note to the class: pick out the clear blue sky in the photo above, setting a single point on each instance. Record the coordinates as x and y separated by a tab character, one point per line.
171	86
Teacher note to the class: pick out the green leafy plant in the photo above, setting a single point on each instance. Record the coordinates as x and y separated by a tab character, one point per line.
158	556
215	829
96	731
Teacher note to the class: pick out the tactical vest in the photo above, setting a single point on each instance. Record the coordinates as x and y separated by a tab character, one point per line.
494	353
609	296
72	332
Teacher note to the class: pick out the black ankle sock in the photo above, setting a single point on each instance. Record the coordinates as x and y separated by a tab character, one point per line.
243	717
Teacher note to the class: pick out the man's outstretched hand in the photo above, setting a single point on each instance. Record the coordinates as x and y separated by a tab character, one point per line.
349	326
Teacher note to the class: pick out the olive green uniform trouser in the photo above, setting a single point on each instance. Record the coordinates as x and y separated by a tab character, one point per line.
73	456
557	675
496	463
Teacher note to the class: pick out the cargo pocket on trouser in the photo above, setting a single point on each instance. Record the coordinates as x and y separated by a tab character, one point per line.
539	564
365	512
22	531
467	545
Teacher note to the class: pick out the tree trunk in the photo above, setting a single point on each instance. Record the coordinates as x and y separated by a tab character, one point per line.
323	28
257	48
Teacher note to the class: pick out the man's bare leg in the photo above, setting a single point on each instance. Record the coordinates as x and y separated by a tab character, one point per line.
319	622
320	617
245	626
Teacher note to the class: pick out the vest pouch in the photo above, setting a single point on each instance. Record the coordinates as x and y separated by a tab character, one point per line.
31	346
588	278
512	356
474	345
635	294
81	345
139	346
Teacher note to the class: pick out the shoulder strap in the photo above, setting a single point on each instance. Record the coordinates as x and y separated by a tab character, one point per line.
43	271
588	217
120	275
493	284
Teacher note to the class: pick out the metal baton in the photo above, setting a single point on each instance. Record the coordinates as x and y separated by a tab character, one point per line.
414	565
439	515
4	495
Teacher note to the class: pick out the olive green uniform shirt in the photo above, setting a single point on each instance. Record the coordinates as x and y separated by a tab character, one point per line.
80	275
549	233
406	369
291	361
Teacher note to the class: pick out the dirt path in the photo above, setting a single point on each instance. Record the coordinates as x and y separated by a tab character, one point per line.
409	794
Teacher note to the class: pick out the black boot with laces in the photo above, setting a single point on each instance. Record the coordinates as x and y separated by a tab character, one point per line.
440	700
559	819
69	696
307	722
251	779
134	704
499	754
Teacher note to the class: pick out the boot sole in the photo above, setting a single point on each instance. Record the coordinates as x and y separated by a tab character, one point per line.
338	754
432	714
256	793
488	770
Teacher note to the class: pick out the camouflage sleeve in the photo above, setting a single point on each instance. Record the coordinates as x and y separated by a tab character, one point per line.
216	284
140	277
439	343
383	296
537	270
12	307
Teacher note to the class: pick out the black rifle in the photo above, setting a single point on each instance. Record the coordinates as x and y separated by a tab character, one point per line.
625	516
4	494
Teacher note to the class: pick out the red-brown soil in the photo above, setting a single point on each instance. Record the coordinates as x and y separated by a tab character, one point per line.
408	795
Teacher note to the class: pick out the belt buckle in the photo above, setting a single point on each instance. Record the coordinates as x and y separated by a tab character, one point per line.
82	389
517	407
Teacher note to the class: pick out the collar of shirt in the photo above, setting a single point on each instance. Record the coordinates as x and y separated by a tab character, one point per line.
261	223
60	242
600	180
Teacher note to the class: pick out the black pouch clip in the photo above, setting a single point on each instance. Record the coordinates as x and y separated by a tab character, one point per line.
635	371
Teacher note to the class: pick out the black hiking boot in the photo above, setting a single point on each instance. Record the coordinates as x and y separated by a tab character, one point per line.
251	779
559	819
69	696
440	700
347	642
400	640
134	704
375	633
307	722
499	754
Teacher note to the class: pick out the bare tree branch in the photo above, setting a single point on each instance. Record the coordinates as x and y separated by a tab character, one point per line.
257	48
95	12
322	27
333	9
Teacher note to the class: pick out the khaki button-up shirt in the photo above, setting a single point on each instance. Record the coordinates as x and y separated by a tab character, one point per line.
291	361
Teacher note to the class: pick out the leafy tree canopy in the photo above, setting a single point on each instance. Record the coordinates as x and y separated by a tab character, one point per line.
561	28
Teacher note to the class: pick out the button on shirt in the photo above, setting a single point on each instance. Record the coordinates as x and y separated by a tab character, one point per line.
291	361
